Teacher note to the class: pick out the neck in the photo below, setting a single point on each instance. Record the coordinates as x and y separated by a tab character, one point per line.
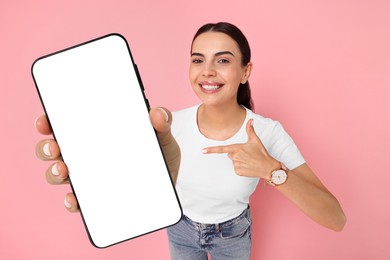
220	123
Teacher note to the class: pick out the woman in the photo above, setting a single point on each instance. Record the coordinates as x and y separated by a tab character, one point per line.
225	149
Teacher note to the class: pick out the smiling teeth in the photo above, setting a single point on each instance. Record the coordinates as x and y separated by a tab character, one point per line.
208	87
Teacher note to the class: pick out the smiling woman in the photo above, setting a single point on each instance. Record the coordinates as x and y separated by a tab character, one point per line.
214	189
224	149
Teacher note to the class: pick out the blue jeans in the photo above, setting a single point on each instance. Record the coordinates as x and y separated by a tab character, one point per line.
228	240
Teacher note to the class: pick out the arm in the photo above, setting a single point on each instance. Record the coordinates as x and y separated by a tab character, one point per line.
307	192
302	187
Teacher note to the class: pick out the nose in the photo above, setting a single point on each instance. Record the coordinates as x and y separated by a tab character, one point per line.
209	70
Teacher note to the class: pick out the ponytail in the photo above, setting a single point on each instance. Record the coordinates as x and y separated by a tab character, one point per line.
244	96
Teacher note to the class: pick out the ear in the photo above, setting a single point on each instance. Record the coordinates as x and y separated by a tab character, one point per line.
247	72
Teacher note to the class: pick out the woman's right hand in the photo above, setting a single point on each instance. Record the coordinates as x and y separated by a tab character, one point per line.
57	173
48	150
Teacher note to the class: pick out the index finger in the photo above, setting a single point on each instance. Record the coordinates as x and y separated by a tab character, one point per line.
220	149
42	125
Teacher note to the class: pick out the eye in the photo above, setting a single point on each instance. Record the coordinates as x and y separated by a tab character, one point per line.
196	61
223	61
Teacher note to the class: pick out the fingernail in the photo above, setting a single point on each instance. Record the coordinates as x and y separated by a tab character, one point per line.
165	114
251	121
46	149
35	122
67	204
204	150
54	170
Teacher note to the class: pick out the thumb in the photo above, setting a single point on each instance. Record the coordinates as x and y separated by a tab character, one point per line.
161	119
252	136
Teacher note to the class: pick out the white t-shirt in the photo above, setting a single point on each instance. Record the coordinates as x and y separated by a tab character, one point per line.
208	188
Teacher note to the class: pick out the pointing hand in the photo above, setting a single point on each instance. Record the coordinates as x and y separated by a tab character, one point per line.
249	159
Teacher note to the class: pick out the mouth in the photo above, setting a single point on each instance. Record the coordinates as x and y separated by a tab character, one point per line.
210	87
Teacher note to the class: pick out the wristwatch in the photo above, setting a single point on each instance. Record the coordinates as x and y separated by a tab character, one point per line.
279	176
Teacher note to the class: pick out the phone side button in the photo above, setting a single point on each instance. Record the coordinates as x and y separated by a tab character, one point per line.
147	103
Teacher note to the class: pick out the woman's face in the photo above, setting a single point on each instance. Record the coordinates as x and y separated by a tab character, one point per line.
216	70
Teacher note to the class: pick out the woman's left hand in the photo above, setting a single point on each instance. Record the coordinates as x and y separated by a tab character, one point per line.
249	159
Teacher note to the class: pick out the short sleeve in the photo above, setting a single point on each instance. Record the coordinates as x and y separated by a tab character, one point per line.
282	147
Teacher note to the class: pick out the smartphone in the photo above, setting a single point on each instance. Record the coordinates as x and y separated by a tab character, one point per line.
94	100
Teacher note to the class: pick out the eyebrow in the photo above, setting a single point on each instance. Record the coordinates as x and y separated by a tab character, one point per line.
217	54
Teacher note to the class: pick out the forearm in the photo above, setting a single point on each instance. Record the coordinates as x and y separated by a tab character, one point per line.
310	196
172	154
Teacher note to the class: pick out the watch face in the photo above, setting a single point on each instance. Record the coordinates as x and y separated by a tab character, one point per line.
279	177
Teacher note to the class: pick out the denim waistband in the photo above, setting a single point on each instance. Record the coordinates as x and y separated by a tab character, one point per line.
219	226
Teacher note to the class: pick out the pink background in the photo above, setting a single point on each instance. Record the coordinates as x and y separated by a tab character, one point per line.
322	68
